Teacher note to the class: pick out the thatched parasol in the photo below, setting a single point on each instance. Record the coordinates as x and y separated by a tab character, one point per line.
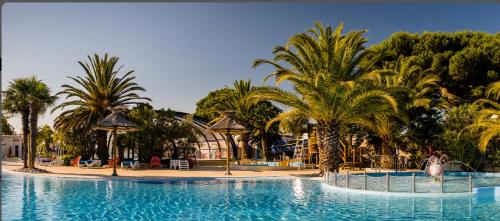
115	122
228	126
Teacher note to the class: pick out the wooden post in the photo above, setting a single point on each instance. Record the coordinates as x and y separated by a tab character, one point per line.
113	150
228	155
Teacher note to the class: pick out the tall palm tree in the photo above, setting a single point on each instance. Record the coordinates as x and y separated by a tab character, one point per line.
322	66
101	88
16	102
40	100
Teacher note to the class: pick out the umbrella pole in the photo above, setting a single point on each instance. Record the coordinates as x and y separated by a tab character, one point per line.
114	152
228	169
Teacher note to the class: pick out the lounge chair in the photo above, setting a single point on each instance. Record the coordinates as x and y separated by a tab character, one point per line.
134	164
93	163
83	163
56	162
155	162
43	161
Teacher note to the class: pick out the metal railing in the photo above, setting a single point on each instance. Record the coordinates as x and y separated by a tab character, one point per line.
386	182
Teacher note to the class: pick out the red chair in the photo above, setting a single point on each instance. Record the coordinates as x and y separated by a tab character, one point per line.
75	162
155	162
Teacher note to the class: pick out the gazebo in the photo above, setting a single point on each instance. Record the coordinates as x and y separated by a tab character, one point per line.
228	126
115	122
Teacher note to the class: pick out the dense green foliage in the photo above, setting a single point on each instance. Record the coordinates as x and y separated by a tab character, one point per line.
326	70
465	61
101	87
15	102
6	127
45	138
464	147
208	106
159	132
28	97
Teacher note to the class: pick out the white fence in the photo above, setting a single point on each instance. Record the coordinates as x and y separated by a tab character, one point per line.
402	182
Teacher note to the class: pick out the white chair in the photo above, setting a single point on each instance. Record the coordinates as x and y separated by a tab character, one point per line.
56	162
183	165
93	163
174	164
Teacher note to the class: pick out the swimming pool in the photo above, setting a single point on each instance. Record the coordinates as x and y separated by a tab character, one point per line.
36	197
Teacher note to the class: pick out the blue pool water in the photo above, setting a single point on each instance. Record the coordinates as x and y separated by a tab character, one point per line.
46	198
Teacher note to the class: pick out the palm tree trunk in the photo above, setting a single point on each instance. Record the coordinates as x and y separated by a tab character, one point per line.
244	146
33	133
102	149
175	150
25	120
329	147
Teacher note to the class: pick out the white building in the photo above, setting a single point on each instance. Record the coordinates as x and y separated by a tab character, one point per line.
12	145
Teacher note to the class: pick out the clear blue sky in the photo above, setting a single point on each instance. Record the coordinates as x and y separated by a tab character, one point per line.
181	51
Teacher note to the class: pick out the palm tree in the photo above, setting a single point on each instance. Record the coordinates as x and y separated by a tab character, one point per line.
488	118
322	66
39	99
16	102
101	88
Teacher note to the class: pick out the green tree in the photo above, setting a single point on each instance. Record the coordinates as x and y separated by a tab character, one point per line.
159	132
7	129
39	99
465	61
462	146
45	138
322	66
16	102
207	107
101	87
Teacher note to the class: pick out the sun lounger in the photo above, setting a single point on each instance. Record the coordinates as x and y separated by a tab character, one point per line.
43	161
93	163
134	164
56	162
83	163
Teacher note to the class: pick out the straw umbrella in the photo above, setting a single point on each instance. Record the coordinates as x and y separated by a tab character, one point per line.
228	126
115	122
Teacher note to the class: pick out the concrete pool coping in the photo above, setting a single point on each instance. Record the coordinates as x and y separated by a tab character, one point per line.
156	174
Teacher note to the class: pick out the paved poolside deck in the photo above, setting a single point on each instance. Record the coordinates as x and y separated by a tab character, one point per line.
200	172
